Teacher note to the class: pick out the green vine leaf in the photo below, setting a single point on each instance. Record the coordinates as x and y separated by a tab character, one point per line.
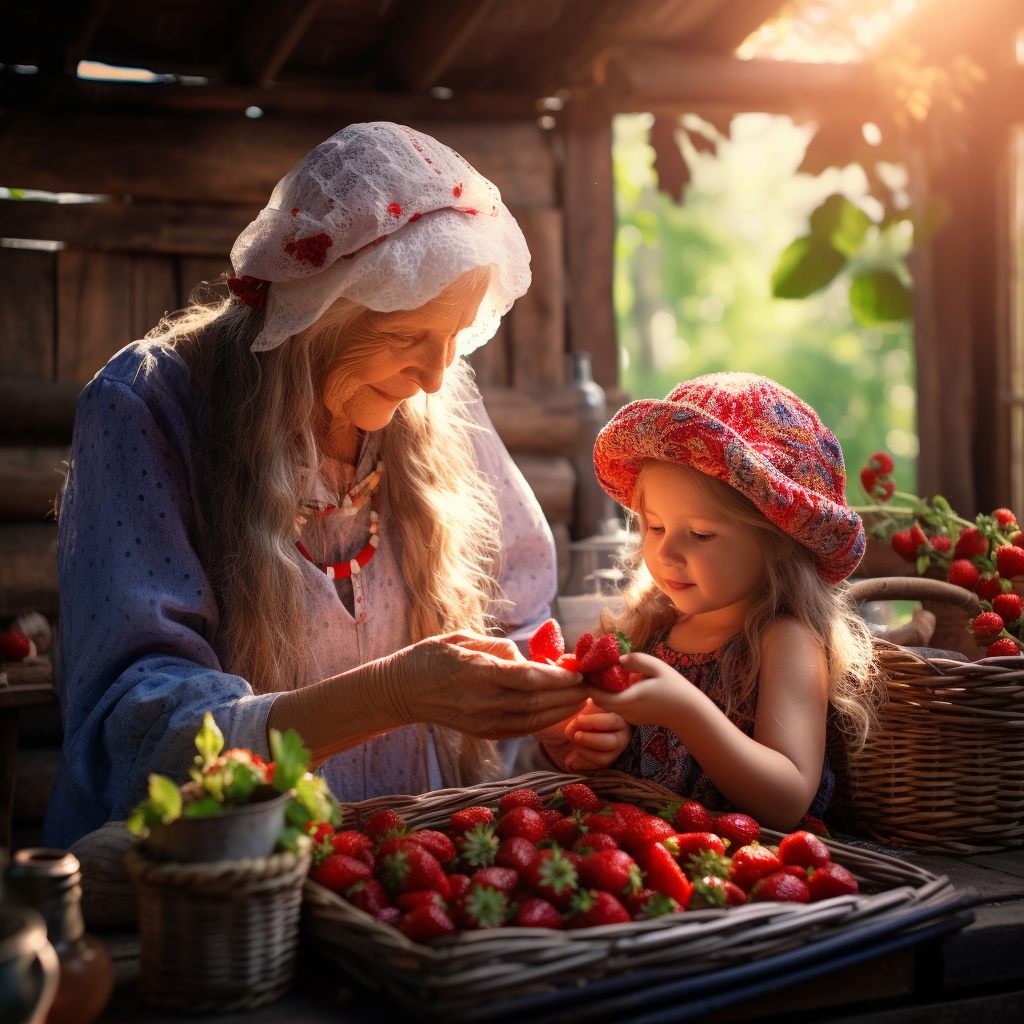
806	266
879	297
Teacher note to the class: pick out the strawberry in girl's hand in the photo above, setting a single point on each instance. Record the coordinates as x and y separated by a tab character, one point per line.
963	573
547	644
739	829
752	863
385	825
426	923
577	796
520	798
522	821
516	853
592	908
466	820
803	849
780	888
1009	607
612	678
569	662
14	646
971	543
661	872
583	645
1010	561
604	651
535	912
832	880
989	586
339	872
613	870
1004	647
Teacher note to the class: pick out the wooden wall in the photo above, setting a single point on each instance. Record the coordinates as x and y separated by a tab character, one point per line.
181	188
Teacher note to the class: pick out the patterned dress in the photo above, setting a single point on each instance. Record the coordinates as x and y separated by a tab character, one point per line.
657	753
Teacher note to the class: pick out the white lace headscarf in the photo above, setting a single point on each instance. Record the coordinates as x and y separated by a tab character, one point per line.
384	216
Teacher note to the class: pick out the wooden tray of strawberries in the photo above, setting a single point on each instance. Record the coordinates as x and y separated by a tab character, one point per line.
461	898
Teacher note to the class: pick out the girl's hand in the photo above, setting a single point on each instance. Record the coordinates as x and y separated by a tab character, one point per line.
658	692
596	738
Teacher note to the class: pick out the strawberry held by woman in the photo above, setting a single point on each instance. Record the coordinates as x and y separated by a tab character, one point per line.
742	632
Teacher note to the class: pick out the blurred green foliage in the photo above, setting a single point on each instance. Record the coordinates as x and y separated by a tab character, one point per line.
693	283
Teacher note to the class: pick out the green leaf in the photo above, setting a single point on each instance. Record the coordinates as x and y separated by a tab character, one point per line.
848	234
161	806
292	838
827	217
296	814
291	758
310	793
940	502
879	297
209	739
806	266
207	807
240	780
923	561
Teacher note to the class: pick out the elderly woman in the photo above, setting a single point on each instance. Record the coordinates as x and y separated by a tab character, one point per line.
291	509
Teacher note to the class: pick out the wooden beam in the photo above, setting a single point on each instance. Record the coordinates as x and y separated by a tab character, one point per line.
553	481
29	480
731	23
270	32
538	421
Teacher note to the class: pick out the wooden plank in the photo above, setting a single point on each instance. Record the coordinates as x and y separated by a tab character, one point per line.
37	411
535	422
93	311
29	480
1000	1008
537	321
28	568
553	480
590	234
201	279
8	752
490	362
268	36
987	951
193	229
154	291
26	311
989	882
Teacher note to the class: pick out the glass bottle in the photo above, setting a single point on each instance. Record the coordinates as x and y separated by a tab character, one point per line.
50	881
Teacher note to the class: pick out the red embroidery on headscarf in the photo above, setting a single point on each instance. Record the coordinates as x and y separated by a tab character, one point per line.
473	212
457	191
415	216
312	249
295	212
395	210
250	291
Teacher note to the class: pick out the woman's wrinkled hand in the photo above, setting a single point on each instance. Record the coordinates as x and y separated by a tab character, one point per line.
479	685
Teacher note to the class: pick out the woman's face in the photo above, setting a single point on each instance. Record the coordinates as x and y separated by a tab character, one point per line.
409	353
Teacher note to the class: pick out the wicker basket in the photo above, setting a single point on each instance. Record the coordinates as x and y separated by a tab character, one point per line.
455	977
220	936
944	769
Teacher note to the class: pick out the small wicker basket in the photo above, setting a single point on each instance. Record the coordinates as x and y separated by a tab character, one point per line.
220	936
457	977
944	769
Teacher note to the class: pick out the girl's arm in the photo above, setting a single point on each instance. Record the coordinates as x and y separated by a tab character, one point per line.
773	775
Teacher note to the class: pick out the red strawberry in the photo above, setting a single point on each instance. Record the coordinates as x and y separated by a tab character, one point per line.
904	546
592	908
319	831
479	847
629	813
553	876
884	491
646	904
689	843
705	863
752	863
547	644
612	679
569	662
578	796
583	645
426	923
970	544
780	888
534	912
482	907
466	820
436	842
421	898
1017	540
390	915
408	867
516	853
604	651
459	885
648	829
941	543
882	462
505	880
710	891
594	842
963	573
1009	607
370	896
986	627
551	816
797	871
520	798
522	821
804	849
661	872
868	479
613	870
354	844
832	880
339	872
1004	517
385	825
1010	560
989	586
605	821
565	832
739	829
1004	647
14	646
688	816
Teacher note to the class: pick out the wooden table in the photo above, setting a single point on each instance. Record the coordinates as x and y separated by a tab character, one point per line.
28	684
974	976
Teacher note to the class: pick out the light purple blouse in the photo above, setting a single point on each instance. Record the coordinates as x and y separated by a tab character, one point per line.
139	620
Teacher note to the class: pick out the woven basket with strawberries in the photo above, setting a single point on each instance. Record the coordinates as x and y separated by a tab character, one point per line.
453	900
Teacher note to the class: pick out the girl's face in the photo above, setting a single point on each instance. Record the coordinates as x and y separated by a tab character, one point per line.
703	559
409	353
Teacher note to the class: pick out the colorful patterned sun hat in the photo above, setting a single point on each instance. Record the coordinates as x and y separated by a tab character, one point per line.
754	435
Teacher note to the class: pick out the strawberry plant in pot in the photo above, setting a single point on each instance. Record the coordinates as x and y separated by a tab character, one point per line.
236	804
982	557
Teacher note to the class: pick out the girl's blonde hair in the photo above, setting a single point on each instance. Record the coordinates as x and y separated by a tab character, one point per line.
256	433
792	586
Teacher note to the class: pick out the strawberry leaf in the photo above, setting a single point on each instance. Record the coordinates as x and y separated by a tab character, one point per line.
209	740
291	758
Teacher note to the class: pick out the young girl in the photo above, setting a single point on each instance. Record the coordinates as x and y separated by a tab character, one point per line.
742	633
